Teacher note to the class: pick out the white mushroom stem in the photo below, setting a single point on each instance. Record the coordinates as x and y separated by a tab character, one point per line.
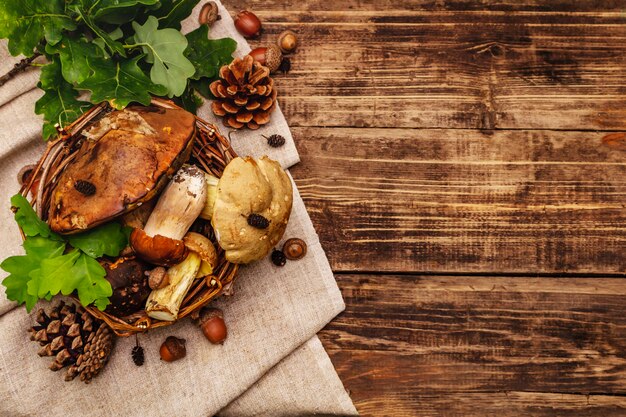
179	205
164	303
207	210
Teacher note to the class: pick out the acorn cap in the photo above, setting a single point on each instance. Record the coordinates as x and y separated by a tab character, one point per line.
287	41
273	57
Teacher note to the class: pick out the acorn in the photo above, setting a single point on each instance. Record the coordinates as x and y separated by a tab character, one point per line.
213	325
294	249
269	56
173	349
209	14
25	175
248	24
287	41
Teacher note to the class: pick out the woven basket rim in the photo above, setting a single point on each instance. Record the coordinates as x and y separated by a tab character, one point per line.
211	150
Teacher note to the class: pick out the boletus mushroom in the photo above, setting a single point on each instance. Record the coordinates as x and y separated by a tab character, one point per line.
160	241
126	159
164	303
251	208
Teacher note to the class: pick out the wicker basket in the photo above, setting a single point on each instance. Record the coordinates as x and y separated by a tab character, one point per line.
211	151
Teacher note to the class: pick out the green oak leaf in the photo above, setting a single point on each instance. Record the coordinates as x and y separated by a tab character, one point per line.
189	100
19	268
113	45
53	275
164	49
118	11
28	220
37	249
74	55
116	34
90	282
172	12
202	87
27	22
208	55
59	103
108	239
120	83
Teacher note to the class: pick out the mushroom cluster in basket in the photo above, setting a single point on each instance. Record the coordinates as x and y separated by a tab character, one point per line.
136	166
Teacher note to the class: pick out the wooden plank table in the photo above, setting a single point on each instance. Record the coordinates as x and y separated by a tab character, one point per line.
464	163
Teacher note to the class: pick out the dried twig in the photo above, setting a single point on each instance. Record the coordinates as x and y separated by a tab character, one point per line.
17	68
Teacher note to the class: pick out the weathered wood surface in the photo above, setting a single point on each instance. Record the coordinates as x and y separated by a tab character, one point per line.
458	136
455	65
412	346
464	201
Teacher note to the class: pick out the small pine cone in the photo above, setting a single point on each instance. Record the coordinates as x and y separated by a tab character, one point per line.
64	334
275	141
258	221
96	353
244	94
138	355
278	257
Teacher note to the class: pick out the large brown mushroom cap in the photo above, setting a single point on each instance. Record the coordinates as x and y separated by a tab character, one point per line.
125	160
247	187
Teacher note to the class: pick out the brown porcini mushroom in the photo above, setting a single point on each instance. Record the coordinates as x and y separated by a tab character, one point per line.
127	157
160	241
251	187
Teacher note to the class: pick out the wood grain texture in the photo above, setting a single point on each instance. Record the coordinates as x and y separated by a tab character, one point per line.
466	136
465	201
453	64
420	345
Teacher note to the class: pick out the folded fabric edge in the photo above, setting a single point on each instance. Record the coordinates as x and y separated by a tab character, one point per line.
308	375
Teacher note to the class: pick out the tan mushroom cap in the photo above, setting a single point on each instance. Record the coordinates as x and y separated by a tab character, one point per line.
251	186
201	245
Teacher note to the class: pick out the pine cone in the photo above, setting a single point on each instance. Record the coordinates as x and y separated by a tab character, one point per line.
75	339
245	94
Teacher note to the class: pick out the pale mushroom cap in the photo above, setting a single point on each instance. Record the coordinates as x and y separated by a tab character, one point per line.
251	186
201	245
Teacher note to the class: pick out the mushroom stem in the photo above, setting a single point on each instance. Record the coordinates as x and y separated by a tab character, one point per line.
207	210
179	205
164	303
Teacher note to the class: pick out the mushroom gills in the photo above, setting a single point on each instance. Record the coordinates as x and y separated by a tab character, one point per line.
211	196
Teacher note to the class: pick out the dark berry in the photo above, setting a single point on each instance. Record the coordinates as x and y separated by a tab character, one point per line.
278	258
275	141
258	221
85	187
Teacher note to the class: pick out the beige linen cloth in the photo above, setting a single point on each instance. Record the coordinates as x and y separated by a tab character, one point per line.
272	364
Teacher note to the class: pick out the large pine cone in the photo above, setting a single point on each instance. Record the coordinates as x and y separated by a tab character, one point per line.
75	339
245	94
